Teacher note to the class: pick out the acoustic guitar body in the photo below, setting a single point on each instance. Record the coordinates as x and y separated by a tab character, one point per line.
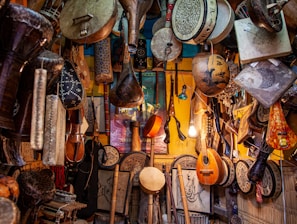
209	167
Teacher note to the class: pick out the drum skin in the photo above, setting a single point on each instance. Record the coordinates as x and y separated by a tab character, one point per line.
90	25
151	180
211	73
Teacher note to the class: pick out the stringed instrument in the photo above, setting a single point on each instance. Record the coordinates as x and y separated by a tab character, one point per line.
279	134
209	167
229	168
75	149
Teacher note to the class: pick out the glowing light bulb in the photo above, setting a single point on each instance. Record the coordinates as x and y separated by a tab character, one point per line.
192	130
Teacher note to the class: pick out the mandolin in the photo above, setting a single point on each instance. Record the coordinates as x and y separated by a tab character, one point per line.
209	167
75	149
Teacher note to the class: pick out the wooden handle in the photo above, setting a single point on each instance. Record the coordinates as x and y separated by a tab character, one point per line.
168	196
183	194
114	194
151	197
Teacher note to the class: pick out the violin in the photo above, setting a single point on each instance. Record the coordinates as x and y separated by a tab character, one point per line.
75	149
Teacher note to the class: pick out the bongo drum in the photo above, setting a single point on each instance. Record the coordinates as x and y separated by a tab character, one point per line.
53	63
23	34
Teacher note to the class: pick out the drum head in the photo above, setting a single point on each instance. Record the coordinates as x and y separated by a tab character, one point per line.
188	17
165	47
88	22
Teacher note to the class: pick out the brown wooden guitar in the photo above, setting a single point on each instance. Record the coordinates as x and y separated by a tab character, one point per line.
209	167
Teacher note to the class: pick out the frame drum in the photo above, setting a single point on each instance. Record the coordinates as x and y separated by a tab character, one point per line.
87	22
224	22
193	21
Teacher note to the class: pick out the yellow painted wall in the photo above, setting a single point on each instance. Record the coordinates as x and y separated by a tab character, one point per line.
176	147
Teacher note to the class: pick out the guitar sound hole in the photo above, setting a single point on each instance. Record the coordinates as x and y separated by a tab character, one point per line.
205	160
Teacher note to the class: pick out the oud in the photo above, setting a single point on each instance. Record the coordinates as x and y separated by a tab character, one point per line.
209	167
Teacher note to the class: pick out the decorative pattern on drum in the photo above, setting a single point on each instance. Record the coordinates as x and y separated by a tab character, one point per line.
211	73
71	89
272	181
112	154
242	167
194	20
102	62
54	132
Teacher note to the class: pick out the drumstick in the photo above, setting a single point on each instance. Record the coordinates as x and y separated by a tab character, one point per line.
183	194
114	194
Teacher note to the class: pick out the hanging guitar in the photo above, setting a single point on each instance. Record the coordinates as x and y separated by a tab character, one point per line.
209	167
228	166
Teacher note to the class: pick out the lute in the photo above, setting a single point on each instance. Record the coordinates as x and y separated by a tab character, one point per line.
209	167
